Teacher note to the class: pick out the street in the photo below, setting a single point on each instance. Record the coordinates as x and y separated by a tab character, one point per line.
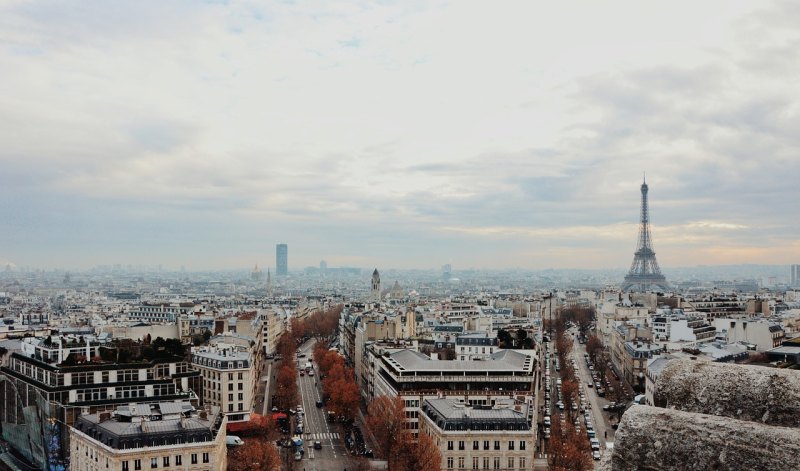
602	426
333	455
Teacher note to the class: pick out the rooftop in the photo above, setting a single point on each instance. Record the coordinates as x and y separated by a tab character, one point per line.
451	414
140	425
501	361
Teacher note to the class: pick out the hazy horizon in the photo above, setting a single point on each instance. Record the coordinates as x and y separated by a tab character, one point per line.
398	134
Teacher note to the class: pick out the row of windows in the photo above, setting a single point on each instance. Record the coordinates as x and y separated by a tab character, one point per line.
476	444
165	462
495	461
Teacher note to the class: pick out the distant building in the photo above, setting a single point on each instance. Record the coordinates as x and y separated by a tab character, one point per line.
281	260
794	278
375	293
475	435
763	334
162	312
166	435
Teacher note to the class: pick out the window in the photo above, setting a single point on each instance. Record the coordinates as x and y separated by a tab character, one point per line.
241	376
205	457
522	463
486	444
511	445
194	458
474	462
496	462
497	444
241	406
511	463
461	462
241	386
137	464
166	461
476	445
485	462
154	462
449	462
125	466
230	386
461	444
178	460
230	376
241	396
449	444
522	444
230	397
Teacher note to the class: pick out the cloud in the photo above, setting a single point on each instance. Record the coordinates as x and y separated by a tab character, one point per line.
361	130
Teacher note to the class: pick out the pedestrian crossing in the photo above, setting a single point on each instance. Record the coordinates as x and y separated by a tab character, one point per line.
322	436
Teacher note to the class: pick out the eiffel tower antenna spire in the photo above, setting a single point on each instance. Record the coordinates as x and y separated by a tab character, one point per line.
644	273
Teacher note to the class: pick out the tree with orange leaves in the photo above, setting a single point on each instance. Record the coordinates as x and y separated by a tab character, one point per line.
420	455
256	454
386	423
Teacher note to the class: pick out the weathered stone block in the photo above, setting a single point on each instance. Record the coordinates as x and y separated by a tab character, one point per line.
753	393
656	439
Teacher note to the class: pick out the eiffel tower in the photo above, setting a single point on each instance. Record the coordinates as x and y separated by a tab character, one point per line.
644	273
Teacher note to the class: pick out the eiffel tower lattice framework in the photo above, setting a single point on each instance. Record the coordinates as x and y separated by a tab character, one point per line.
644	274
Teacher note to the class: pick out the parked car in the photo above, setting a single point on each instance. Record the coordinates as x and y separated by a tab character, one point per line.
317	445
596	455
233	440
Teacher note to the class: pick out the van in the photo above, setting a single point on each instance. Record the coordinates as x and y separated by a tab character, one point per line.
233	440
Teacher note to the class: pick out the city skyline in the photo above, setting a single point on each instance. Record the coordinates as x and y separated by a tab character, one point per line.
398	135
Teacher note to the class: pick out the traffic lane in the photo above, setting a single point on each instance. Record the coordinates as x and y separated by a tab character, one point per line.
601	425
316	427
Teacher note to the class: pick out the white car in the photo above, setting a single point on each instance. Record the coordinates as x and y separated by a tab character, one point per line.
547	421
596	455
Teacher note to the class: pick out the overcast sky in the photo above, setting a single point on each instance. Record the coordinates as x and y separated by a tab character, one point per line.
400	134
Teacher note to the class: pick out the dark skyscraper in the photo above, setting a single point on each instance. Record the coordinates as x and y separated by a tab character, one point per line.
281	260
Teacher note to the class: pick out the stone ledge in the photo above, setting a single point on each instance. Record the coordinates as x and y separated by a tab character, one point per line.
753	393
657	439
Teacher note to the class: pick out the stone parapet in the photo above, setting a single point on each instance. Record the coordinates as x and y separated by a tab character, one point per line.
753	393
657	439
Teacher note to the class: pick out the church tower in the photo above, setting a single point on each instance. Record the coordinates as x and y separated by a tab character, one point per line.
375	294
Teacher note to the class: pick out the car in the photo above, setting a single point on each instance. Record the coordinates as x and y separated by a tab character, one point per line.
319	404
302	373
233	440
596	455
298	456
591	433
589	384
595	443
311	373
298	430
547	421
317	445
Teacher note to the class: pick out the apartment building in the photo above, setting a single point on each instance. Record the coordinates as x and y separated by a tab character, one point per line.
164	435
414	377
63	377
763	334
162	312
497	436
475	346
229	376
88	374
